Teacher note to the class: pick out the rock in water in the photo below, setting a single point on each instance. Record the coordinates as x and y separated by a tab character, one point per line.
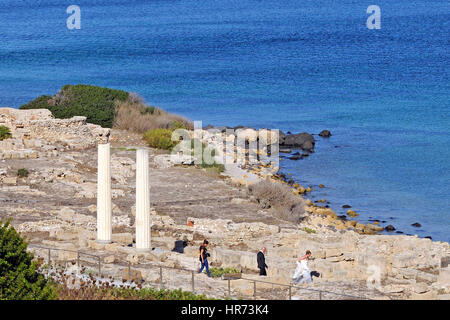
416	224
302	140
325	134
389	228
296	157
352	213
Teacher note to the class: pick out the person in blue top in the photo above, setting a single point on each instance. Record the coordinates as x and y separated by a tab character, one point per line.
204	257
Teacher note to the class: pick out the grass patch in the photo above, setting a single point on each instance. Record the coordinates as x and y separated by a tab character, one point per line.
218	272
5	133
22	173
160	139
215	168
309	230
134	115
123	149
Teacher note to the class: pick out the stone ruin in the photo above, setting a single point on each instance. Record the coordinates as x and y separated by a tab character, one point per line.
36	133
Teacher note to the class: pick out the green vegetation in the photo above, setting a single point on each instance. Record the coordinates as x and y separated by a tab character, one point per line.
109	292
218	272
134	115
160	139
148	110
107	108
215	170
309	230
177	125
95	103
123	149
23	173
4	133
42	102
19	279
214	167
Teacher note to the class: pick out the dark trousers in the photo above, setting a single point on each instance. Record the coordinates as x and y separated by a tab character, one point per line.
205	265
262	272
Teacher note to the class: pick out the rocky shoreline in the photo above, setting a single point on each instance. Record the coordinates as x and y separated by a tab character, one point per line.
55	205
290	143
296	147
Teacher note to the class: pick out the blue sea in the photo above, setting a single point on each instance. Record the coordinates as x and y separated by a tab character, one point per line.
293	65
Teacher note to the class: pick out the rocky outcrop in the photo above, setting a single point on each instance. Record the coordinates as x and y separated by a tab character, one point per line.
36	133
325	134
302	140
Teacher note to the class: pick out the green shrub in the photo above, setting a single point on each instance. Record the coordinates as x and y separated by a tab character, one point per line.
107	108
4	133
160	139
90	291
309	230
178	294
123	149
148	110
177	125
41	102
218	272
23	173
140	118
95	103
217	167
19	279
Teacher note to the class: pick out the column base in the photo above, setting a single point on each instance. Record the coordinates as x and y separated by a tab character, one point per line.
143	250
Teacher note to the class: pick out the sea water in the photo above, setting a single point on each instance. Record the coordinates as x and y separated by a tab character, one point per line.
297	66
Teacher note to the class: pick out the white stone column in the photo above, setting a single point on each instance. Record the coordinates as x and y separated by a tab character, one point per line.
143	223
104	225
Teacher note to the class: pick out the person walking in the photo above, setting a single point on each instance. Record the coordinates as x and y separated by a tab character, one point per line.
302	273
261	259
204	257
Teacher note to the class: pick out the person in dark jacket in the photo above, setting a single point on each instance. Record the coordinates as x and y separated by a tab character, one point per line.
262	262
204	257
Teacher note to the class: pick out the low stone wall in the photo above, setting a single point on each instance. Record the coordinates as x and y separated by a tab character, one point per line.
36	133
401	265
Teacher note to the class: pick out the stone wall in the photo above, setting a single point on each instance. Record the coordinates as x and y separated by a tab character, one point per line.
36	133
398	265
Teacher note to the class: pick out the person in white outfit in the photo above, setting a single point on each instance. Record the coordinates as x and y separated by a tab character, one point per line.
302	273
